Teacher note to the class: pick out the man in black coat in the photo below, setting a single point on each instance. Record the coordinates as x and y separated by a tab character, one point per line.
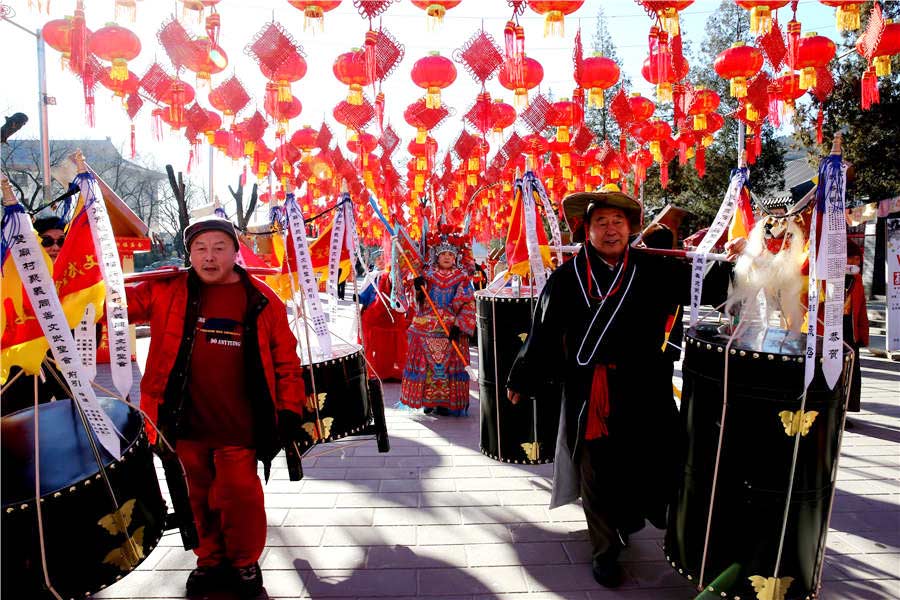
598	329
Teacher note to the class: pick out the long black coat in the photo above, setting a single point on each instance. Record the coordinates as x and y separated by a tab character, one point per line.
644	429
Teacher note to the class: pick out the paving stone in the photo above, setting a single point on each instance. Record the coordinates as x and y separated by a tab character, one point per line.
390	583
302	517
533	553
318	557
436	515
459	499
463	534
419	557
474	580
370	536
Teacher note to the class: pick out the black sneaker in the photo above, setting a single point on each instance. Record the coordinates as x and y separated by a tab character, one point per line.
249	581
203	580
442	411
427	410
606	568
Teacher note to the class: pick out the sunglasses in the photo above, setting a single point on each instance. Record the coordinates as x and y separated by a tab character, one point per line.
47	241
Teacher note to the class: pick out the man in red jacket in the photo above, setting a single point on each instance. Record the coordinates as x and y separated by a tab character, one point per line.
223	380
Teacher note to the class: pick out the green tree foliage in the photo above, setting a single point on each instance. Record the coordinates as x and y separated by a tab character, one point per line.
870	136
702	196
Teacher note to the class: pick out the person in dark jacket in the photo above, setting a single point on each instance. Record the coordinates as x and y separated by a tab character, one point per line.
600	322
223	381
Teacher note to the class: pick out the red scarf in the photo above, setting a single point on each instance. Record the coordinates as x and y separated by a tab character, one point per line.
598	405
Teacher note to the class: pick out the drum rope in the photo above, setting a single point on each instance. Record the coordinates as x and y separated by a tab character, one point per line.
12	381
116	515
496	378
37	494
712	494
299	308
817	576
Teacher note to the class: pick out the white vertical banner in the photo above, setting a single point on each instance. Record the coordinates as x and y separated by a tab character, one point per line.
535	260
41	291
305	274
552	220
831	264
892	274
335	246
86	341
111	268
715	231
812	304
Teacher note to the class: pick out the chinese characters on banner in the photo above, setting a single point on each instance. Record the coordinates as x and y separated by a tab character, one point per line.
892	273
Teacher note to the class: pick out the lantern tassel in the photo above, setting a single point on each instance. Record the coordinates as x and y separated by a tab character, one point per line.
664	175
870	94
78	40
133	143
379	110
793	44
554	24
848	17
371	63
700	161
820	119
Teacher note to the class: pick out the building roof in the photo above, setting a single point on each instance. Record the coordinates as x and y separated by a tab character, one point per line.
24	155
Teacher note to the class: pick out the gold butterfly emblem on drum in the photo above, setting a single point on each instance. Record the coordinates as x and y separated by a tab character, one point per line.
532	450
523	336
127	556
770	588
798	421
313	431
318	399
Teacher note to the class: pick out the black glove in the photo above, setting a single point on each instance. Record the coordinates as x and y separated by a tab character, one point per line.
419	286
455	333
289	427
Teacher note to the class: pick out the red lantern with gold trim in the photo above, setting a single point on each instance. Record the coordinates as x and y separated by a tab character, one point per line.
667	11
502	116
58	35
641	108
816	51
597	74
117	45
314	11
120	88
847	15
305	138
291	70
433	73
554	12
703	103
350	69
435	9
655	131
677	70
532	75
761	13
736	64
207	60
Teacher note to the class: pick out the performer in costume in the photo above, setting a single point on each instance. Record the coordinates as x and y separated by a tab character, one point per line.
383	328
435	376
224	377
600	322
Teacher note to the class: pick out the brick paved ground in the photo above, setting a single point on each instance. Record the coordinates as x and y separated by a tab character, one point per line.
434	517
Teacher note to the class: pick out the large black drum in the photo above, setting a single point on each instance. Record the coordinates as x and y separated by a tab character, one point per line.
524	433
340	400
88	544
765	387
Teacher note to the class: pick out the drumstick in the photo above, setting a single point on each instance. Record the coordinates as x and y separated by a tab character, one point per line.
433	307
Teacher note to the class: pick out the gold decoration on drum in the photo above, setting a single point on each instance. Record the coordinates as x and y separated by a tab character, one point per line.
770	588
532	450
798	421
319	399
127	556
523	336
313	431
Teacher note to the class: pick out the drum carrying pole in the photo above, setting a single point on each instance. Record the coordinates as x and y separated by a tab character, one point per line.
496	376
312	373
712	493
817	576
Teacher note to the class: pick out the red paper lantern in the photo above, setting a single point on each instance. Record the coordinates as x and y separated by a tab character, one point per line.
292	69
597	74
641	108
655	131
433	73
736	64
350	69
535	146
532	75
816	51
704	102
847	13
212	124
562	117
116	44
676	70
761	13
667	11
120	88
305	139
57	34
435	9
314	11
888	45
206	60
502	115
554	12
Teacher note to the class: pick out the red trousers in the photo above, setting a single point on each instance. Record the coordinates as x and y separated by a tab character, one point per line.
227	499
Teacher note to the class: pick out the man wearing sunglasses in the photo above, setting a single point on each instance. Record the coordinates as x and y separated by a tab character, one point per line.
52	232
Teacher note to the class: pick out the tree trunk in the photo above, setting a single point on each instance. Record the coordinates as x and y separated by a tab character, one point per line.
183	217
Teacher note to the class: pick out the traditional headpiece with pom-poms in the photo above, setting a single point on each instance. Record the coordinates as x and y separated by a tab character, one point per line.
447	238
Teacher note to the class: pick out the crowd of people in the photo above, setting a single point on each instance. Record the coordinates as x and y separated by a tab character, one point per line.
223	380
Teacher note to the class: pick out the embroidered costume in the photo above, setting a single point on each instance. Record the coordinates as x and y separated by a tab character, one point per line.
435	375
383	329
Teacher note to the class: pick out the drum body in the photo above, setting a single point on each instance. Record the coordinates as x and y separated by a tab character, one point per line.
765	387
338	404
524	433
85	546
